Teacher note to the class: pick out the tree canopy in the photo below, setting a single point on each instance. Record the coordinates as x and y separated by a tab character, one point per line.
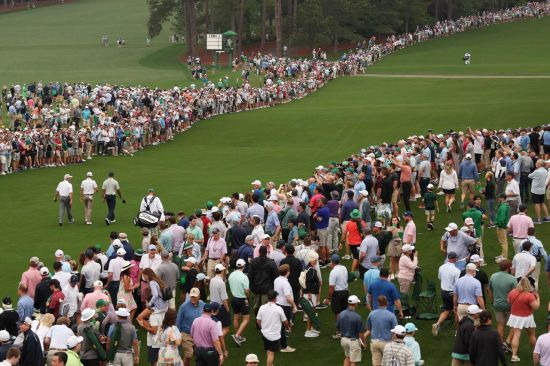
311	22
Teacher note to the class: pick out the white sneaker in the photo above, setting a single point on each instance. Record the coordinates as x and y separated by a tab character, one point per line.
346	257
310	334
288	349
315	331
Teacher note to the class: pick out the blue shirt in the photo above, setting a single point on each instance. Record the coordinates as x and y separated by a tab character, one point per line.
467	289
25	307
245	252
184	222
272	222
381	322
347	207
537	249
187	313
546	138
324	214
349	324
370	277
468	170
386	288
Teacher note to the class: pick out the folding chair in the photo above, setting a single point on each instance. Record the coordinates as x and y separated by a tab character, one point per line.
409	310
427	303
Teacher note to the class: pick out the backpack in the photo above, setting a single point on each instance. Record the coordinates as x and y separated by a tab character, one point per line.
394	361
166	293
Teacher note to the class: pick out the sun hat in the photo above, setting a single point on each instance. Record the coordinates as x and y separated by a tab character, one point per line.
355	214
126	265
87	314
122	312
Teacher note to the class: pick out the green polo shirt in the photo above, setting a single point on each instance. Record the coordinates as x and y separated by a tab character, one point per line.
477	216
503	215
238	284
501	283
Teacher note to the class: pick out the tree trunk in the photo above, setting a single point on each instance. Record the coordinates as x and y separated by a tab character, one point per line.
449	9
335	43
436	10
191	17
185	5
278	29
264	13
294	16
289	16
240	27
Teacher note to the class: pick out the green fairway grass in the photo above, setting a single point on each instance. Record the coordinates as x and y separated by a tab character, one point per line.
223	155
517	48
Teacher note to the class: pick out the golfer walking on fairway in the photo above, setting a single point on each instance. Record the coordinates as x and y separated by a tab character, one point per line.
88	188
110	190
64	193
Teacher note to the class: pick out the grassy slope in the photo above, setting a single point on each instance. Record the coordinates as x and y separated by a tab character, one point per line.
517	48
222	155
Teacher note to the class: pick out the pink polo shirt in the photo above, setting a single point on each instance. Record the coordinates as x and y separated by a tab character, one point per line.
91	299
31	278
409	234
204	331
216	248
519	224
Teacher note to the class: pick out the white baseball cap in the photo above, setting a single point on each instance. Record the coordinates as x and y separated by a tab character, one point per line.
407	248
266	236
89	174
469	221
98	283
475	258
378	224
120	252
364	193
452	226
59	253
430	186
240	263
468	156
195	292
192	260
4	336
219	267
471	267
256	183
116	243
353	300
399	330
252	358
44	271
67	176
474	309
87	314
73	341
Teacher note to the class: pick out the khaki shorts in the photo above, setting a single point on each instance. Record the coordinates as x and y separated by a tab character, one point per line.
352	349
377	351
395	195
462	311
187	345
468	184
502	316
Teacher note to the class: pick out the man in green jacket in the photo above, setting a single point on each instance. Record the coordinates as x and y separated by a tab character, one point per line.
501	222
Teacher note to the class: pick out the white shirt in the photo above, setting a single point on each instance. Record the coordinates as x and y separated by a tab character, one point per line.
88	186
71	298
64	188
272	316
58	335
257	234
62	277
338	278
154	205
448	274
522	263
512	188
283	288
115	265
91	272
147	262
277	256
110	185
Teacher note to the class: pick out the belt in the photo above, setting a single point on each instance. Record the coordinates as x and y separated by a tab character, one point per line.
351	339
449	292
463	303
205	348
57	349
519	238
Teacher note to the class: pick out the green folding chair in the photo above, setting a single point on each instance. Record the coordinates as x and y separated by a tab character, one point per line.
427	303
